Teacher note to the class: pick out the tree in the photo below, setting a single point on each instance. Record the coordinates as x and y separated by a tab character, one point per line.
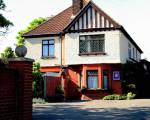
36	70
37	80
33	24
8	53
4	23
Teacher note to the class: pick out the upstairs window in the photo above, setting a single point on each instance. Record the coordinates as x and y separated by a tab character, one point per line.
129	50
48	48
133	54
89	44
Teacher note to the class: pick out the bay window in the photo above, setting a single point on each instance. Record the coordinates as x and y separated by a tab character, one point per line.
91	44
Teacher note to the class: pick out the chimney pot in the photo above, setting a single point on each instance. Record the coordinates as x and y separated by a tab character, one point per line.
78	5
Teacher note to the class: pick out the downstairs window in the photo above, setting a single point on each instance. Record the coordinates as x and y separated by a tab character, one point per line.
92	79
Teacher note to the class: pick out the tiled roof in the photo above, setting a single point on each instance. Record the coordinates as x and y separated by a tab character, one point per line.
54	25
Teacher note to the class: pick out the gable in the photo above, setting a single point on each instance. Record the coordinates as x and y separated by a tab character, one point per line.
91	17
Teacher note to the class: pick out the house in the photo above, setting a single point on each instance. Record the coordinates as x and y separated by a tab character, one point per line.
87	46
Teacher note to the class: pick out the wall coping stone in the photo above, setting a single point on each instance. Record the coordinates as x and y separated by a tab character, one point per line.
20	59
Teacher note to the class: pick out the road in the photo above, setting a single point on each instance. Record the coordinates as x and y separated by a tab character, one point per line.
94	110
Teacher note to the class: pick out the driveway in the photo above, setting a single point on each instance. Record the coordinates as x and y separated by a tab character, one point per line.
94	110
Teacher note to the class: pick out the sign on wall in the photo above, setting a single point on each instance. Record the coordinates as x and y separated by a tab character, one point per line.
116	75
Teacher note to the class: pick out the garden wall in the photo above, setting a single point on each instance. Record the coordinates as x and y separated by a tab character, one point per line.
16	90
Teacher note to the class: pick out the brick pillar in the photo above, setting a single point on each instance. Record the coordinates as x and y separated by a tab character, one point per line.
24	84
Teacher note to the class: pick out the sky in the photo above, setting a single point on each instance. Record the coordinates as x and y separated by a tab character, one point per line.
133	15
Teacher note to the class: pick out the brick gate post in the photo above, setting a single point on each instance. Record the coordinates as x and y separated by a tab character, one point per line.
24	84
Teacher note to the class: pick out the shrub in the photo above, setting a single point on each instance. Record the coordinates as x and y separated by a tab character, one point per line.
115	97
131	86
38	101
123	97
130	96
59	94
59	90
111	97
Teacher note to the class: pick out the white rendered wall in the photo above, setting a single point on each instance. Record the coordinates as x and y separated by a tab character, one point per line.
112	49
34	47
124	49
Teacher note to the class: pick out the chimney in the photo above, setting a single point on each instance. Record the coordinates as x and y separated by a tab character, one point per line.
78	5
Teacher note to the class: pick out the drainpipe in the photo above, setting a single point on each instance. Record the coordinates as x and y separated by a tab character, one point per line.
63	82
60	38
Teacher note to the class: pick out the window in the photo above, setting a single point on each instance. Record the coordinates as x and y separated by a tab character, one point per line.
91	44
129	50
92	79
105	79
48	48
80	79
136	55
133	53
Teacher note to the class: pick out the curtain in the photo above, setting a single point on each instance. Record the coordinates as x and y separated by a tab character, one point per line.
92	82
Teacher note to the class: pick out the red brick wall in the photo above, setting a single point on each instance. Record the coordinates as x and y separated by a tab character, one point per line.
7	95
16	91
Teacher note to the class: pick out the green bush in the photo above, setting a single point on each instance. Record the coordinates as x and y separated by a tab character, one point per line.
112	97
130	96
131	86
123	97
115	97
38	101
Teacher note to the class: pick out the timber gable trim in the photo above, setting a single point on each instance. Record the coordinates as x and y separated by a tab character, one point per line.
94	18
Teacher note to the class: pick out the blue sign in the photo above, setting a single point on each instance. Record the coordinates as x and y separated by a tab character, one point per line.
116	75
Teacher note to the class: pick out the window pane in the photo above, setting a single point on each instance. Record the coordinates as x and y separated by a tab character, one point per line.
45	50
82	37
51	41
45	41
92	79
51	50
92	82
105	79
97	37
133	53
83	46
92	73
80	79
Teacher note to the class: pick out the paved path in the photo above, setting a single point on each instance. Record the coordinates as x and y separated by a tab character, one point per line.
94	110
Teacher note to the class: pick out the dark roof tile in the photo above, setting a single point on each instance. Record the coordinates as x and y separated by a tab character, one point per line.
54	25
